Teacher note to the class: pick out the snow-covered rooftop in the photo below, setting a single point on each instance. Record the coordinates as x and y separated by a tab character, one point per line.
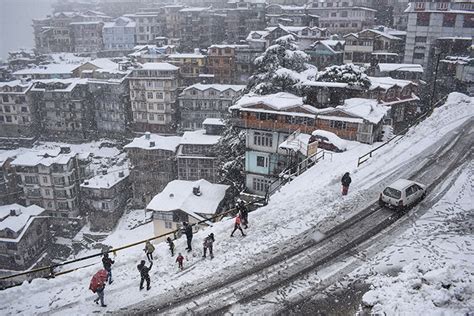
213	121
199	137
280	101
387	67
17	222
159	66
106	181
178	195
186	55
49	69
367	109
388	82
45	157
169	143
104	63
218	87
332	138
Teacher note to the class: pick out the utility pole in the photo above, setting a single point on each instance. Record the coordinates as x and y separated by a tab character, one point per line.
438	56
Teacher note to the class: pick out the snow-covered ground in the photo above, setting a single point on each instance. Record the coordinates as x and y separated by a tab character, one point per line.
312	199
430	268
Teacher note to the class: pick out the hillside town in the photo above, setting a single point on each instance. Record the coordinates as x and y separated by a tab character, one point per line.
179	115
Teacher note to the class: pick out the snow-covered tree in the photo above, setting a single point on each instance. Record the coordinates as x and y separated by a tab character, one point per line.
349	73
281	68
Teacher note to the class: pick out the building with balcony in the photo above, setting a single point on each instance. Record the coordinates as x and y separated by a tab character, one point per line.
289	15
51	179
104	197
201	101
24	236
325	53
153	94
87	36
431	20
191	65
119	35
10	192
200	27
242	17
187	201
268	120
152	165
16	113
148	25
221	62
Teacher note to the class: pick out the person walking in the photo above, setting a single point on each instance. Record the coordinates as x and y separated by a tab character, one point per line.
171	245
237	226
180	260
208	242
149	249
144	274
244	214
188	231
107	262
97	285
345	181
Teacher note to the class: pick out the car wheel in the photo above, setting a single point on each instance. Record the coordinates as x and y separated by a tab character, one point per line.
381	203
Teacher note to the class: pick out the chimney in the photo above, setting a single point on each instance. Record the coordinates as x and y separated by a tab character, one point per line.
86	182
65	150
152	144
197	190
15	212
104	171
197	51
147	135
121	174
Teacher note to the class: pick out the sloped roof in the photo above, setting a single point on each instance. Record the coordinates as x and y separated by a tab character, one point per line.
368	109
18	222
169	143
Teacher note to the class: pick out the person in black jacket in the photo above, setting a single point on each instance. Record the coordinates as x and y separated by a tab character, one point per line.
144	274
107	262
345	181
188	231
244	214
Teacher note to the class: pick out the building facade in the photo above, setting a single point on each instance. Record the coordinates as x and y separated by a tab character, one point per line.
10	192
87	36
153	94
119	35
16	110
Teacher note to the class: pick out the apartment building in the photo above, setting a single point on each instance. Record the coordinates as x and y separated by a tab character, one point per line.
268	120
152	165
201	101
16	111
64	108
191	65
200	27
221	62
10	192
51	179
119	35
148	25
432	20
104	197
326	53
24	236
343	16
242	17
153	94
87	36
289	15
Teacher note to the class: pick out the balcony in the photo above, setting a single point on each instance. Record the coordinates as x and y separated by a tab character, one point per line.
272	126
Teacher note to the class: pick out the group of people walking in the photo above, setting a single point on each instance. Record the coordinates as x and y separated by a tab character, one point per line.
100	279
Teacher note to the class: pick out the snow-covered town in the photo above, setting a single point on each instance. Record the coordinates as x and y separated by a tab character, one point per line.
237	157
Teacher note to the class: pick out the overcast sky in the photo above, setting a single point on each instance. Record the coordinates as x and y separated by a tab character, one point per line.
15	22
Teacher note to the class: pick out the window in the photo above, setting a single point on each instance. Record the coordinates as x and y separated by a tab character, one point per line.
5	98
168	225
420	39
63	205
159	95
393	193
31	180
348	56
338	125
418	56
59	181
261	161
149	95
411	190
468	20
449	19
105	206
263	139
423	19
260	184
7	108
45	179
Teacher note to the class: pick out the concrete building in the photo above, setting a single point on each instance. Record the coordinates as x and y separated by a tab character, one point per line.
242	17
200	27
104	198
24	236
16	112
50	179
326	53
153	94
289	15
87	36
64	108
268	120
201	101
343	16
221	62
191	65
119	35
148	25
431	20
10	192
187	201
152	165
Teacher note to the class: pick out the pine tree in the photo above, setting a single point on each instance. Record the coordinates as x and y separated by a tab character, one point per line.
349	73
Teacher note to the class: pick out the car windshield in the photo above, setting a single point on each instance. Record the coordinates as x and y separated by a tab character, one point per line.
393	193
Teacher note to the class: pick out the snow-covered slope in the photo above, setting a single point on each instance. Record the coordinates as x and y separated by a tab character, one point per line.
313	199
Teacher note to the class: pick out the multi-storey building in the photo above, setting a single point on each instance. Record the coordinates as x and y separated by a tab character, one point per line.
110	102
244	61
9	190
172	20
343	16
148	25
16	114
119	35
153	93
431	20
326	53
104	198
221	62
242	17
48	71
87	36
196	156
24	236
64	108
152	165
190	65
289	15
50	179
268	121
201	101
372	47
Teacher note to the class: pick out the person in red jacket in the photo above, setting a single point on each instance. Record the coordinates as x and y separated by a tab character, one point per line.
237	226
180	260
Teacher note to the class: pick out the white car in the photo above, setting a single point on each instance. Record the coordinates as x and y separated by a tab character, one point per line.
402	194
